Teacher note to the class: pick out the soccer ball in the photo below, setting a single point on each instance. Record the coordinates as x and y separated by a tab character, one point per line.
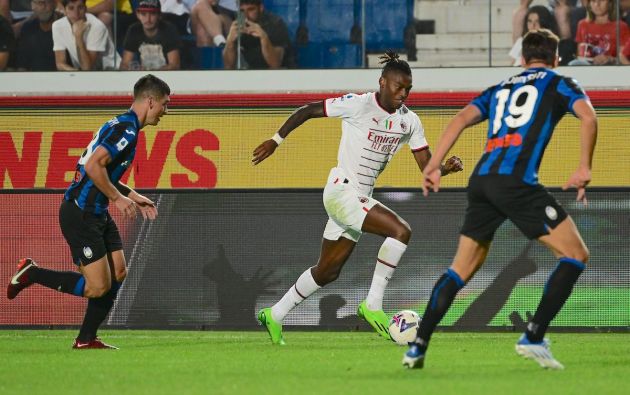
403	327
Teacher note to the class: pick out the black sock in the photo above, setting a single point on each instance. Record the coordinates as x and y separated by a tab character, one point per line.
96	312
442	296
71	283
557	290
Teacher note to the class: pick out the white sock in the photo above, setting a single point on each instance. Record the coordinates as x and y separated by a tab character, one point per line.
218	40
388	257
304	287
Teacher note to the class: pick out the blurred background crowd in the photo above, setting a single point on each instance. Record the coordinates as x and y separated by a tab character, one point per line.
49	35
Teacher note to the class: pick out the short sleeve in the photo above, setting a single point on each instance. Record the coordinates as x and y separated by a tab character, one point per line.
571	91
118	137
278	33
97	37
417	139
131	42
482	102
58	42
171	38
346	106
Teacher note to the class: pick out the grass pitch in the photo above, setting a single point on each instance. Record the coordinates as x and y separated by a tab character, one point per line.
189	362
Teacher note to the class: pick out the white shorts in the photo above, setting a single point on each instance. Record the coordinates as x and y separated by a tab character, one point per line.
346	208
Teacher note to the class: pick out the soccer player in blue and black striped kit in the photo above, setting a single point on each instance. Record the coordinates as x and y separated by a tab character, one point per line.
522	113
86	224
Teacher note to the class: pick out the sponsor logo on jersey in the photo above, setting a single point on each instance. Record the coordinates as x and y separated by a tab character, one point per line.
509	140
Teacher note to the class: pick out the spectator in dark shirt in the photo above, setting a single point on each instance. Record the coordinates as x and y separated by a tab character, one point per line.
35	44
264	39
153	42
7	42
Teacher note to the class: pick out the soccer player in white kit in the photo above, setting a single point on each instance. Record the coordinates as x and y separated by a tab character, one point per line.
375	126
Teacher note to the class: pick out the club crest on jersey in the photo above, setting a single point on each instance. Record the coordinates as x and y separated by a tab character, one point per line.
403	126
87	251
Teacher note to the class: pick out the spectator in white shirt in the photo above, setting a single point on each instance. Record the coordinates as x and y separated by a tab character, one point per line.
84	39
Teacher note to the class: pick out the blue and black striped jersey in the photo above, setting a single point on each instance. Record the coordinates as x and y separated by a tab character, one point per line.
118	136
523	111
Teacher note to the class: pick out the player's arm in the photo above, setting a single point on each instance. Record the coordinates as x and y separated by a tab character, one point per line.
452	165
61	61
588	136
147	206
299	116
96	169
468	116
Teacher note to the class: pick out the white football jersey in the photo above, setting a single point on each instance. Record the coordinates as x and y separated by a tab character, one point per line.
370	136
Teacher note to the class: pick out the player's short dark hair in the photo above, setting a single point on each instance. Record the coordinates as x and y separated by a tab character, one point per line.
541	45
254	2
151	85
66	2
392	62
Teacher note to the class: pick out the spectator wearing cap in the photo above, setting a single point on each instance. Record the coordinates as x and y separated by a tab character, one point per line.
154	43
82	38
35	45
264	39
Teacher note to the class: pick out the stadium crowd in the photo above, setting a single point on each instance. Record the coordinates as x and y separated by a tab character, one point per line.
49	35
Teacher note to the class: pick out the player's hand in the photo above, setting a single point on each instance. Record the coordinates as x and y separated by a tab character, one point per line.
145	205
263	151
432	177
579	180
126	206
254	29
232	33
79	28
453	165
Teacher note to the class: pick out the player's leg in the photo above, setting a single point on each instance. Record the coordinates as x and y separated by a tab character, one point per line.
480	223
384	222
540	216
567	245
469	258
99	306
333	255
80	235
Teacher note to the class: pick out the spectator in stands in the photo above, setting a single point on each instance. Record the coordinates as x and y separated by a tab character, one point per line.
625	53
16	12
264	39
104	10
7	42
211	20
625	11
597	34
35	44
177	12
527	19
84	38
153	41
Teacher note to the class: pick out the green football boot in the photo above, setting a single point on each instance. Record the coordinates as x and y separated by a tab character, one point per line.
274	329
376	318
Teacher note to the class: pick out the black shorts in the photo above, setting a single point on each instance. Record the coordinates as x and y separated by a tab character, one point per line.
89	236
493	199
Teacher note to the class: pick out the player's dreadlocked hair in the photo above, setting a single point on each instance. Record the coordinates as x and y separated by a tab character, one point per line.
393	63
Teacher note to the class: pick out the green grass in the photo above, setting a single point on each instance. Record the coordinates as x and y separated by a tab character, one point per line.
177	362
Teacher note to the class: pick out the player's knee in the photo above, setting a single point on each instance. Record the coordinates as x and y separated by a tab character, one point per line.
403	232
581	254
96	291
121	274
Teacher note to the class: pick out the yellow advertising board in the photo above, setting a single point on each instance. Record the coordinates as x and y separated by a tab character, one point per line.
212	148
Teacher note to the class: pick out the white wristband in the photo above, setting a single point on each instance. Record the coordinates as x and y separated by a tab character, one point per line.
277	138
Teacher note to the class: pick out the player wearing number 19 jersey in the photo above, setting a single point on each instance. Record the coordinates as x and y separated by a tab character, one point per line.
522	112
